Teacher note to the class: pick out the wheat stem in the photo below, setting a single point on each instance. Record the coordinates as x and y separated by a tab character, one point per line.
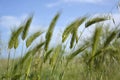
79	38
8	64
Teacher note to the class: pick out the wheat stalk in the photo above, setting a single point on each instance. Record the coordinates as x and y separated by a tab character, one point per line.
95	20
26	27
96	39
32	38
50	31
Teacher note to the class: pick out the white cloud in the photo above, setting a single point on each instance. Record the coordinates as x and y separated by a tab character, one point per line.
84	1
54	4
34	28
116	18
11	21
7	21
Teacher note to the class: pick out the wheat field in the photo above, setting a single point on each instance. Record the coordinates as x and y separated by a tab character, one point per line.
94	58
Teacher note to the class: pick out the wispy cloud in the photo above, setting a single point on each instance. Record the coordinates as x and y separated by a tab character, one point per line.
50	5
83	1
54	4
116	17
7	21
11	21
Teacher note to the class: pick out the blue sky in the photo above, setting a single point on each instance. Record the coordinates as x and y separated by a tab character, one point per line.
13	12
